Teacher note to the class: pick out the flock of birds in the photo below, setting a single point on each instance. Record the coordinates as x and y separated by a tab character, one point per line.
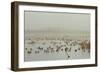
55	46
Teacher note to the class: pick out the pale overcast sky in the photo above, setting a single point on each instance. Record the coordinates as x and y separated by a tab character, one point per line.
49	21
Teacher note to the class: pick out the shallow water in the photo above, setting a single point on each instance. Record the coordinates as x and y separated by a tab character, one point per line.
32	53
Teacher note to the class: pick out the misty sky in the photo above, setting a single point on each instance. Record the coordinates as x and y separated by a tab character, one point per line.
50	21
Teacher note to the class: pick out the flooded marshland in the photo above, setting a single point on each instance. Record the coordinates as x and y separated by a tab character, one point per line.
41	47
